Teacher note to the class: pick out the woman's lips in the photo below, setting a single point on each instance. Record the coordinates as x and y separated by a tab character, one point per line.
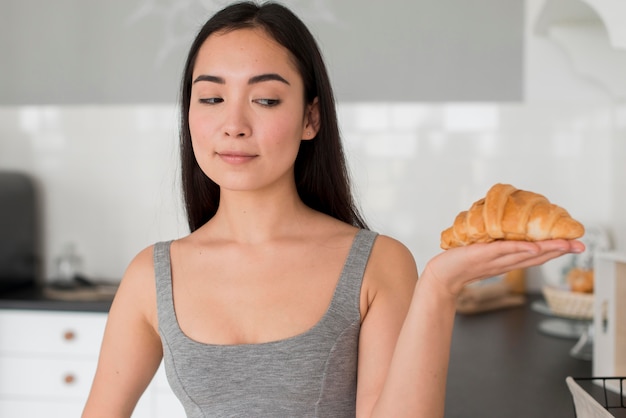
233	157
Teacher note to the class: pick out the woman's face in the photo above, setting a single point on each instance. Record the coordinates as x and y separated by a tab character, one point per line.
247	114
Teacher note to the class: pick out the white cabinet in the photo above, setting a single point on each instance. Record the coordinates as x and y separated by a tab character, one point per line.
47	363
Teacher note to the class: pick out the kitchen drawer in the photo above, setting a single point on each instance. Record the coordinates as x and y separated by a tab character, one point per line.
51	332
47	379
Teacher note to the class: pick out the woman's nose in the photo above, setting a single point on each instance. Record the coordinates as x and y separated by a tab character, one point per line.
237	123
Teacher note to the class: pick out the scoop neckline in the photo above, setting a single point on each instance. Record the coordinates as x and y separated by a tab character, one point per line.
283	341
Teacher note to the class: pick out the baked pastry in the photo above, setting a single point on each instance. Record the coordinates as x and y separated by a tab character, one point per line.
507	213
580	280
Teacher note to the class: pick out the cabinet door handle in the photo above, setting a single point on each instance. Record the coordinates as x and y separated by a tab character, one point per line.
69	335
69	378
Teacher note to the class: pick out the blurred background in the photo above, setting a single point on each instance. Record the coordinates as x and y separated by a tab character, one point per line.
438	100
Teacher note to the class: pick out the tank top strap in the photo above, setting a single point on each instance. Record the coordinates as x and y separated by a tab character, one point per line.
347	300
163	277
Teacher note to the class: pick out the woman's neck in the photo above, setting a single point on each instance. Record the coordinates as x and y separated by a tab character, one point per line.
259	217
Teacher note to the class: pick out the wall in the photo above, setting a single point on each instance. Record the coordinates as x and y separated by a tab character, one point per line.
108	174
106	177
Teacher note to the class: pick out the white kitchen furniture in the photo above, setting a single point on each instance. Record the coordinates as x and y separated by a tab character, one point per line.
47	362
609	353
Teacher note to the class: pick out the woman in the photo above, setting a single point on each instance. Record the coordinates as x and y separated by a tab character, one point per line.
280	302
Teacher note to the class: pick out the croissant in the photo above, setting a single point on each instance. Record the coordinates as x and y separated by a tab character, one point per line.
580	280
507	213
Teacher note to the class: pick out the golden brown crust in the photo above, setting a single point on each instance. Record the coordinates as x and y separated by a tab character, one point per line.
507	213
580	280
495	202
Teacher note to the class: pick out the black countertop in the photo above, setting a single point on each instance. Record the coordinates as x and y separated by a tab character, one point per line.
502	366
35	298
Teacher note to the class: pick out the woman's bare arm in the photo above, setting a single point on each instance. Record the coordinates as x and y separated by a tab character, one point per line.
415	383
131	349
388	286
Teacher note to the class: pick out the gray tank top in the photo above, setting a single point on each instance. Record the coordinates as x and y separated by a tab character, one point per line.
312	374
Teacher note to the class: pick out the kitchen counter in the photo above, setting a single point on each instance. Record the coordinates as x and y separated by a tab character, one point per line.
502	366
35	298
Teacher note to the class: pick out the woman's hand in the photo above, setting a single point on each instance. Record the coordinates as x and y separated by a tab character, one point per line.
457	267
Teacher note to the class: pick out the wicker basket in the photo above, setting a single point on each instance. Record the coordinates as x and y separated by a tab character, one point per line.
569	304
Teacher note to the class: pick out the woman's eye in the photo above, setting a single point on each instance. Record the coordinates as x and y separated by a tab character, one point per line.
268	102
211	100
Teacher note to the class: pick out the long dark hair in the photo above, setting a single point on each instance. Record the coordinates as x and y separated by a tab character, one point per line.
321	174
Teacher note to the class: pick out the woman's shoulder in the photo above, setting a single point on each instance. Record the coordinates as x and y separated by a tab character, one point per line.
141	263
388	285
141	267
137	288
391	266
388	251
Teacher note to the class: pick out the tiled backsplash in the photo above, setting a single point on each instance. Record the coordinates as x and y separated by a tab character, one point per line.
108	175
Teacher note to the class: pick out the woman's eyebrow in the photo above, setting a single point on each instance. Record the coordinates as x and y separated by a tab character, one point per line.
210	78
267	77
253	80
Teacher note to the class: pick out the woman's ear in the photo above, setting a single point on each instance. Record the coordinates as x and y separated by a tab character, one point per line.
311	120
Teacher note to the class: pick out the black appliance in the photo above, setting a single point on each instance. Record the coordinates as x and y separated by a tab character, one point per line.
19	259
